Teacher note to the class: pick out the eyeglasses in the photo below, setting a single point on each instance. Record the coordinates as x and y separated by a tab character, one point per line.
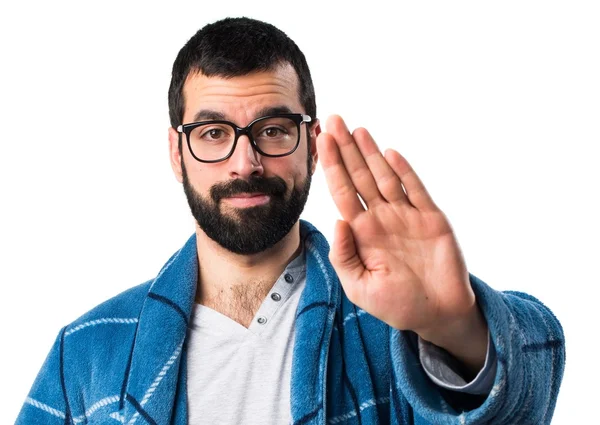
272	136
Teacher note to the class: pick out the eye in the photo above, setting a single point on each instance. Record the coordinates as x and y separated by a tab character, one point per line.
213	133
273	132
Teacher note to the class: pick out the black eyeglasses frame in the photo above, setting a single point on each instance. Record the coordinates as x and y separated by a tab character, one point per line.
242	131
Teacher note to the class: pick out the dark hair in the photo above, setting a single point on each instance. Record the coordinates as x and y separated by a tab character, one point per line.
233	47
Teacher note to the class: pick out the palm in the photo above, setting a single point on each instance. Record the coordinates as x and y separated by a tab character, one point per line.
398	258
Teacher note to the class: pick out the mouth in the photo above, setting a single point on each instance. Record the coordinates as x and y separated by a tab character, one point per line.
246	200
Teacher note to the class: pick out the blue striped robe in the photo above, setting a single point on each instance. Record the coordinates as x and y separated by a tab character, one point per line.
125	360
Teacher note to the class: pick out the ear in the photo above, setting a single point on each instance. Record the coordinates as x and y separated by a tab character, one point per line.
174	154
314	130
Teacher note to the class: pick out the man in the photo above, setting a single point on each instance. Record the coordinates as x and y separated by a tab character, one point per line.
254	320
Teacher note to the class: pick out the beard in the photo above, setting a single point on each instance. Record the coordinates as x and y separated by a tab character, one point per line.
253	229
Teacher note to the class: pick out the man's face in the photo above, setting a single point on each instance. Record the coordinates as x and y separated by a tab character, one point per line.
248	202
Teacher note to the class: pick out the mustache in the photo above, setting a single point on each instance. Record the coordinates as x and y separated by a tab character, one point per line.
272	186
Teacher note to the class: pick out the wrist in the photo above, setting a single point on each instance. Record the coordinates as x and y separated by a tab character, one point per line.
466	339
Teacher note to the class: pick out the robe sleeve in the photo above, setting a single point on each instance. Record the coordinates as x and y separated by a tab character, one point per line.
530	349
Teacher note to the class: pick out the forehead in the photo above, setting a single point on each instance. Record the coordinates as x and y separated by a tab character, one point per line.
242	97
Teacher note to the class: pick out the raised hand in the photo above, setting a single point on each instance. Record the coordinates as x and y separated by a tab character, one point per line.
396	256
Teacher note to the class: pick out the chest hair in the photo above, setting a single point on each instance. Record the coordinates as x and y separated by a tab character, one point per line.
238	302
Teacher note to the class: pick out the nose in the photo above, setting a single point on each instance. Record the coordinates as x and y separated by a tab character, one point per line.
245	161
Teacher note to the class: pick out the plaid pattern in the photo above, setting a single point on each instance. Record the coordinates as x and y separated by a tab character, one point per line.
125	360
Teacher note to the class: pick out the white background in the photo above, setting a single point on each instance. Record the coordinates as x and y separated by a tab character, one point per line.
496	105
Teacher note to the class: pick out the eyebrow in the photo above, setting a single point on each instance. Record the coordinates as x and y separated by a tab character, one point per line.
208	114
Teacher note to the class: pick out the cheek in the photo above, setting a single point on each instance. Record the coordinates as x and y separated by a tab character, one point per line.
292	171
297	177
200	176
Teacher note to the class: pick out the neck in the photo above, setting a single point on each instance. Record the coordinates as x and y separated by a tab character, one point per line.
235	285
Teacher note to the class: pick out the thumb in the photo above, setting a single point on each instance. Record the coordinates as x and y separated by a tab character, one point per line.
344	257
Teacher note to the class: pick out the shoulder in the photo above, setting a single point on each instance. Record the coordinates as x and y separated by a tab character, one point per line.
91	354
100	340
121	309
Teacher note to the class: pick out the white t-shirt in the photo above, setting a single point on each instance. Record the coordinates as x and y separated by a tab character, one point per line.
242	376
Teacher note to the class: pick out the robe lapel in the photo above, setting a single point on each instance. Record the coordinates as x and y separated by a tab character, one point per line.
314	324
152	384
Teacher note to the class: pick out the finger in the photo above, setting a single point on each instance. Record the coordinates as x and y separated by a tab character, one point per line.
340	186
353	160
387	180
415	189
345	260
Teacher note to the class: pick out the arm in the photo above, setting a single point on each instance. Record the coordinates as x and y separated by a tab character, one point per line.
397	258
529	342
